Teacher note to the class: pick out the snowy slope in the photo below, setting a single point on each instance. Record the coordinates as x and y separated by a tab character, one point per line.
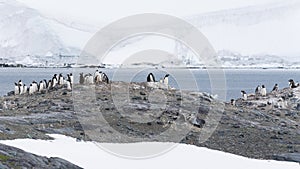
91	155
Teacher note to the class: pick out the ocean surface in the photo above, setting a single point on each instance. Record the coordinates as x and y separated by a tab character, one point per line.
230	80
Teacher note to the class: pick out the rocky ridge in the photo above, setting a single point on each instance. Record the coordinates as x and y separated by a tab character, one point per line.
249	128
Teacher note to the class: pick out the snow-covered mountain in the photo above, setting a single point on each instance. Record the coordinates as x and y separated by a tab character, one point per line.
270	29
28	37
252	36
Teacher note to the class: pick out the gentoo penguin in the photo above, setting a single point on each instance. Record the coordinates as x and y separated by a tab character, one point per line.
244	95
49	84
69	85
88	79
98	77
166	79
54	80
96	74
31	89
232	102
45	84
35	86
105	78
150	78
71	79
60	79
24	88
20	88
292	84
263	90
16	89
257	90
275	88
81	78
41	86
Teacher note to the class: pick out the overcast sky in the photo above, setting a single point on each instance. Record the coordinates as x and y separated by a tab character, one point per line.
101	12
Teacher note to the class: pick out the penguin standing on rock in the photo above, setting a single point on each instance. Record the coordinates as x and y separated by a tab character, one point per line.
54	80
49	84
263	91
275	88
166	79
35	86
150	78
16	88
97	73
69	87
292	84
41	86
71	79
244	95
45	84
60	79
31	89
105	78
24	88
232	102
20	88
257	90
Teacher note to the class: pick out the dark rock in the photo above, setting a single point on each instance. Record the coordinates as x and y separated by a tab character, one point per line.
275	137
11	157
236	126
298	107
262	105
11	93
198	122
293	157
203	110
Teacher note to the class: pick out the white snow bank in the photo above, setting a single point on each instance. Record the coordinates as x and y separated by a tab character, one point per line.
89	155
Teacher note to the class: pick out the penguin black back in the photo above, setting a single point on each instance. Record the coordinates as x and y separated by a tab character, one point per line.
150	78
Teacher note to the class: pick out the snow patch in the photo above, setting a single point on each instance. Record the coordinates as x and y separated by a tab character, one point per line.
89	155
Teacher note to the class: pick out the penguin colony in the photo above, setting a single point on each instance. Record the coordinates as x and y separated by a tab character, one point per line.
97	78
44	85
60	81
165	80
261	93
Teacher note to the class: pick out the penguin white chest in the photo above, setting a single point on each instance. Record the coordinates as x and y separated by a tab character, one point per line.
16	90
166	81
31	90
263	91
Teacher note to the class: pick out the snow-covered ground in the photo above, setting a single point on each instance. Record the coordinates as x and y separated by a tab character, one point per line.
89	155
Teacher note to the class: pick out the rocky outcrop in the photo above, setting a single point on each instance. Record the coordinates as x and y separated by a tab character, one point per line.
11	157
107	112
